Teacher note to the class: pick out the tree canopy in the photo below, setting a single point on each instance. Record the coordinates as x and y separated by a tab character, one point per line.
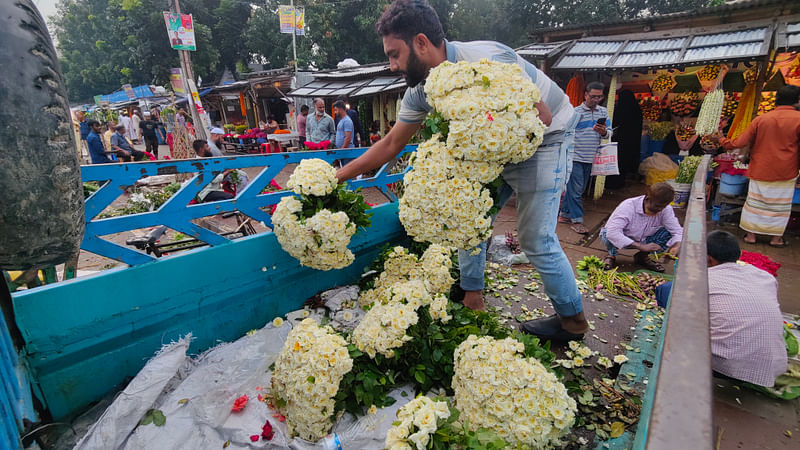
106	43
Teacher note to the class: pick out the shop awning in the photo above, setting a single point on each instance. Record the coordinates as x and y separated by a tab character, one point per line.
788	35
730	43
351	82
542	50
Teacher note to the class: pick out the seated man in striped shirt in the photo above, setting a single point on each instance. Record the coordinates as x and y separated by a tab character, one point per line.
646	223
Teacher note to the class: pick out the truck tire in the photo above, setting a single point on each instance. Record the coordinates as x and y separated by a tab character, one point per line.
41	195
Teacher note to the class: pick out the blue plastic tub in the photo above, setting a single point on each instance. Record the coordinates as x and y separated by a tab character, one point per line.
796	198
733	184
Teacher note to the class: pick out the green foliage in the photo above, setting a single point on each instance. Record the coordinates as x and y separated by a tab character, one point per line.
427	360
349	202
435	123
154	416
239	129
151	202
687	169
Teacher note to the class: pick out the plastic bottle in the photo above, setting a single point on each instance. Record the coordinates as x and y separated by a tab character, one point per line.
332	442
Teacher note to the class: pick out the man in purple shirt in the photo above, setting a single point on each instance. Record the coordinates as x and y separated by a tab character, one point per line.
301	125
646	223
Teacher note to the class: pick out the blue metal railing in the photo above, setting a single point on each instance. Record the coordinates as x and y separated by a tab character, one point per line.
177	215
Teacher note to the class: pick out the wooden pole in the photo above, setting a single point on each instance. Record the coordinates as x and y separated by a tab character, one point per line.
188	73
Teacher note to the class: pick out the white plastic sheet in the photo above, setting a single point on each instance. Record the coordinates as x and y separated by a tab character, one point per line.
197	404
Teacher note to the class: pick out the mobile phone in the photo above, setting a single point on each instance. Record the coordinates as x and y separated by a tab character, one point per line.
601	121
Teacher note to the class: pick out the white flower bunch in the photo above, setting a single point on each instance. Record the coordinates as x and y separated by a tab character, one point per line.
438	309
497	387
319	241
306	378
493	121
710	113
417	421
433	268
313	177
578	355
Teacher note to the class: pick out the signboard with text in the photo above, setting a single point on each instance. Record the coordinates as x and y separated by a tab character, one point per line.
287	17
176	80
180	28
129	91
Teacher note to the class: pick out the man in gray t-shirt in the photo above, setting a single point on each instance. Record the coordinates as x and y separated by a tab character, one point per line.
414	42
215	141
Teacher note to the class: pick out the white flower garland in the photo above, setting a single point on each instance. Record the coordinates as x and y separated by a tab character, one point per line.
306	378
418	420
493	121
710	113
497	387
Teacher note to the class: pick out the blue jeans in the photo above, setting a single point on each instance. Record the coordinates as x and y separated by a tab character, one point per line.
661	237
538	183
572	207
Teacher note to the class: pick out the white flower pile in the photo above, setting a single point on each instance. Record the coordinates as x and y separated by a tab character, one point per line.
493	121
433	269
306	378
319	241
710	113
418	420
384	327
497	387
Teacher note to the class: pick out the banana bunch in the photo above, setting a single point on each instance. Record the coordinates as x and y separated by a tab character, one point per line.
767	103
684	104
709	72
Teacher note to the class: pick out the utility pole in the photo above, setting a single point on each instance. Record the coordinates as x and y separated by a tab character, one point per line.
188	85
294	37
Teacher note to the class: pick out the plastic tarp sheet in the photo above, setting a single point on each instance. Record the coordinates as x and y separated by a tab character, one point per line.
197	401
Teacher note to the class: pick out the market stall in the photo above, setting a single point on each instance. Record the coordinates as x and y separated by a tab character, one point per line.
688	83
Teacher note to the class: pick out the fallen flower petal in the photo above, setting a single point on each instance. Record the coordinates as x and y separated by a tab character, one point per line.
239	404
266	431
254	438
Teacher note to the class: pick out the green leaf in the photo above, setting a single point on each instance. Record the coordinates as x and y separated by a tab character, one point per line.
147	419
617	429
159	419
183	401
311	379
420	377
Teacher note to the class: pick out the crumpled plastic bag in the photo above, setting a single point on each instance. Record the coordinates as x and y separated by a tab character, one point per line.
499	252
335	298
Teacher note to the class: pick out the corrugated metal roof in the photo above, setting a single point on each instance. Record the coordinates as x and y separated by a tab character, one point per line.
789	34
542	49
354	72
692	48
330	88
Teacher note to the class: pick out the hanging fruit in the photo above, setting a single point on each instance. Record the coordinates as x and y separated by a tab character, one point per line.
731	103
767	103
684	104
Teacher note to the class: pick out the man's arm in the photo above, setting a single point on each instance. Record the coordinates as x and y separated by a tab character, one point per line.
348	135
331	130
381	152
743	140
544	113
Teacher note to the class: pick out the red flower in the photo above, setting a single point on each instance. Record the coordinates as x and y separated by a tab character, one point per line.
254	438
266	431
238	405
489	115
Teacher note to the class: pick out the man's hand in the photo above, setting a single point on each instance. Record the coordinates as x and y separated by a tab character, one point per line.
545	115
643	247
600	129
379	154
675	249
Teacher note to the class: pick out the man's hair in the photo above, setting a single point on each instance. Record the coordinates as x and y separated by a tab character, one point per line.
198	144
408	18
339	104
787	95
594	85
304	108
723	246
92	122
661	193
318	99
119	127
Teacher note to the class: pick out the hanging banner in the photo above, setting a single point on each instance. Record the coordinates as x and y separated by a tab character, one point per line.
129	91
300	21
180	28
287	17
198	104
176	80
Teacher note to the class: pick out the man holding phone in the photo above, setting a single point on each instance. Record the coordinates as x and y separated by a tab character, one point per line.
592	127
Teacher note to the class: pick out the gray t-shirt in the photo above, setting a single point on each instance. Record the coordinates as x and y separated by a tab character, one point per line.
215	151
320	130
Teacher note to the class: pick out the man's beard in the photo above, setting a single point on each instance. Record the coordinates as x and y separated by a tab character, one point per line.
415	72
